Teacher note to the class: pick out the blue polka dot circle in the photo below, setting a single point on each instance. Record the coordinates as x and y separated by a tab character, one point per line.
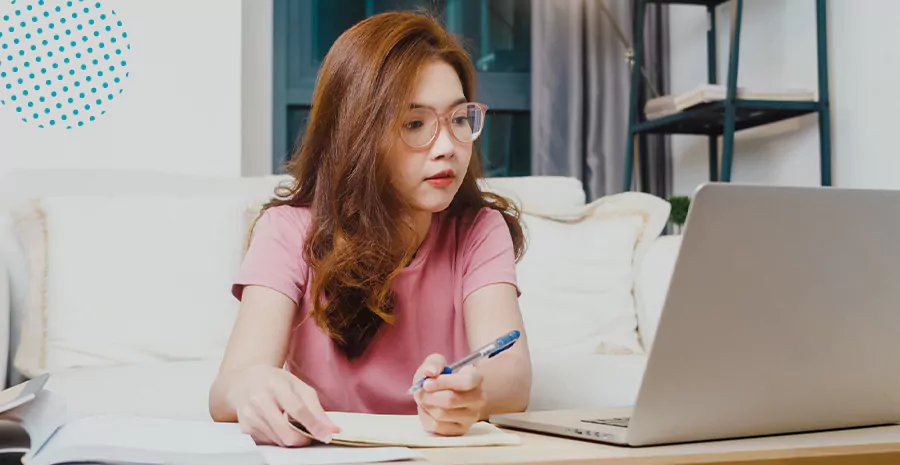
63	63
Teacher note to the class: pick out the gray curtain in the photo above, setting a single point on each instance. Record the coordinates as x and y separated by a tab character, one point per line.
580	93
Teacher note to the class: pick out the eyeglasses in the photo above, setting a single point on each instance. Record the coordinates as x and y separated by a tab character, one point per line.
420	125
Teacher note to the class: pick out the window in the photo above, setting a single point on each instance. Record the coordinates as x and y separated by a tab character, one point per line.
497	33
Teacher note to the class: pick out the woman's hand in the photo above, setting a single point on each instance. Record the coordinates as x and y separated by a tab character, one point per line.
264	397
449	404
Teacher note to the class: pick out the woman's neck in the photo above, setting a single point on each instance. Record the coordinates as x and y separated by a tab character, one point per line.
422	222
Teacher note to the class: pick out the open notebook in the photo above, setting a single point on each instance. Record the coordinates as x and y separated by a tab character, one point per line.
54	438
358	429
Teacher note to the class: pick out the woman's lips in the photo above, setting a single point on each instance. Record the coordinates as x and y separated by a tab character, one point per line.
442	179
440	182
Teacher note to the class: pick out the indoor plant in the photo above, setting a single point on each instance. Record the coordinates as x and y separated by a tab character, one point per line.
678	214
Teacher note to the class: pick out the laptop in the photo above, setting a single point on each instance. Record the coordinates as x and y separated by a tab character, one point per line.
782	316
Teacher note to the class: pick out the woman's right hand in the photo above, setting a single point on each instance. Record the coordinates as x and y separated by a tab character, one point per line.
264	397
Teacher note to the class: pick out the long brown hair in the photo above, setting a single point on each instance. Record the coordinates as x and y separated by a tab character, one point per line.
354	246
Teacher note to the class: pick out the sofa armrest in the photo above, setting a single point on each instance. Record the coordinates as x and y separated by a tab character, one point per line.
5	303
652	283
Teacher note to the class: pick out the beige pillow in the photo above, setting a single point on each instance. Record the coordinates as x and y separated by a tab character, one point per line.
31	228
54	334
577	275
42	349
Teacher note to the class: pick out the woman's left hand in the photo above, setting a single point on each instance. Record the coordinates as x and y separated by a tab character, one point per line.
449	404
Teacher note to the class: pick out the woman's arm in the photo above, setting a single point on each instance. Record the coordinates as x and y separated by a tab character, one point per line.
490	312
253	389
450	404
259	338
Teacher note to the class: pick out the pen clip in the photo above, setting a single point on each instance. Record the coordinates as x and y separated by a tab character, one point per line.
507	346
505	342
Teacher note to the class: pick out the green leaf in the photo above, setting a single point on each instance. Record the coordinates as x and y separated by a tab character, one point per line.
680	205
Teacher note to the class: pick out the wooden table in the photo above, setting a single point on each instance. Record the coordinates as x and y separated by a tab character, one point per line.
876	446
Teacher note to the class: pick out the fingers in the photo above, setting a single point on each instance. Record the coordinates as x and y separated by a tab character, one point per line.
444	427
431	367
467	379
302	404
463	416
253	424
278	424
451	399
453	407
451	412
312	403
450	403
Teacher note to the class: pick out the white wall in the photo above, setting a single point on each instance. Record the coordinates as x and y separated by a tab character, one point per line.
778	49
181	108
256	87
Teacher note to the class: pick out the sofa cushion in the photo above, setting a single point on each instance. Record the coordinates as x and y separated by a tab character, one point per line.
19	188
577	273
652	284
4	320
546	193
31	228
154	291
585	380
176	390
180	390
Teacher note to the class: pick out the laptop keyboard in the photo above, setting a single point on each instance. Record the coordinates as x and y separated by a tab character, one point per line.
621	422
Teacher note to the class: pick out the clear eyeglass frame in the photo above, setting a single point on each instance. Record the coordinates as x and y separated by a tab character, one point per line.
420	137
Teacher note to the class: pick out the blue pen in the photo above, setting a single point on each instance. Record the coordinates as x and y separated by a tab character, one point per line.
488	351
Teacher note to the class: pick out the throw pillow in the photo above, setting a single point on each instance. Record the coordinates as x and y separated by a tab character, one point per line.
577	275
128	280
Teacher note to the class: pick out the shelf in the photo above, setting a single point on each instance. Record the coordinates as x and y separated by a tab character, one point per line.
709	119
690	2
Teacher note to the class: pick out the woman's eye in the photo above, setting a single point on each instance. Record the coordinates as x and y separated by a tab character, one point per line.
460	121
413	125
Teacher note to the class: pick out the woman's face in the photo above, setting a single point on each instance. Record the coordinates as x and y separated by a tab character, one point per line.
428	177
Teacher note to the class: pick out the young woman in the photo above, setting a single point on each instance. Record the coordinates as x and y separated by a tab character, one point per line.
382	261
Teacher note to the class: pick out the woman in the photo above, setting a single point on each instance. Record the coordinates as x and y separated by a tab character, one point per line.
383	261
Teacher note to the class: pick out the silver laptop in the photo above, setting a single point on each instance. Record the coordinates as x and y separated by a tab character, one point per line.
782	316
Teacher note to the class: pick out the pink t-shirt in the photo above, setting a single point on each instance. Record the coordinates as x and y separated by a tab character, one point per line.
456	258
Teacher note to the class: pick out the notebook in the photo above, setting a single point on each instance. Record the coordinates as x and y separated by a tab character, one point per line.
54	438
360	429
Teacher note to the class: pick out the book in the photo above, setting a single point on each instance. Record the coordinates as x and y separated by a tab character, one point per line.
52	437
55	438
708	93
363	429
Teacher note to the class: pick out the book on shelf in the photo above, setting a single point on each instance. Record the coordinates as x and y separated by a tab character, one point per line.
708	93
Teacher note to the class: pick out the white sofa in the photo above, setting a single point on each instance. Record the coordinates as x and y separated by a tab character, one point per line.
173	380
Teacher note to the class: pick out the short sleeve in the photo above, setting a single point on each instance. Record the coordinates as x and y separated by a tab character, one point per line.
489	256
274	258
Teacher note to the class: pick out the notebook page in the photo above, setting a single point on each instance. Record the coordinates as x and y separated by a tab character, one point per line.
328	455
148	440
406	430
40	418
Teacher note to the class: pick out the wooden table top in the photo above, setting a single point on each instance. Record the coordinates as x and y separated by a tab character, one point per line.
879	445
